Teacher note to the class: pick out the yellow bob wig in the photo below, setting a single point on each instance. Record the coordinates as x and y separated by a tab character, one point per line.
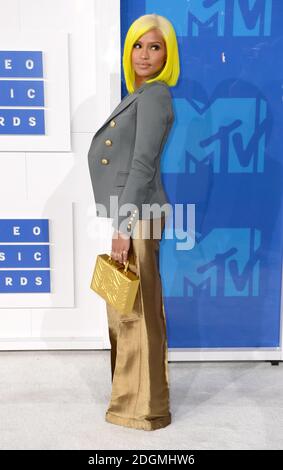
170	72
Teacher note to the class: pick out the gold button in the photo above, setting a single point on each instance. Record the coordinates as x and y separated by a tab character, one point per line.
108	142
104	161
112	123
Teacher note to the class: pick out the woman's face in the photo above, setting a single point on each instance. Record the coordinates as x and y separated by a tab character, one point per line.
149	55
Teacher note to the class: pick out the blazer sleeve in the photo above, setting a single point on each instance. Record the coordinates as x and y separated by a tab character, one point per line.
153	115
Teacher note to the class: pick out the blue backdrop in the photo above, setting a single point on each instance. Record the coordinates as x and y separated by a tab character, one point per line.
224	155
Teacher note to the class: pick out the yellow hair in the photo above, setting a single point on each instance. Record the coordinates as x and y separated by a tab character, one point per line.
170	72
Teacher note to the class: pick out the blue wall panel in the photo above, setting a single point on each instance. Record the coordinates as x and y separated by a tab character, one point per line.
224	155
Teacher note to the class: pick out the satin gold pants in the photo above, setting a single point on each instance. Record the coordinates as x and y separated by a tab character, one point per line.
139	365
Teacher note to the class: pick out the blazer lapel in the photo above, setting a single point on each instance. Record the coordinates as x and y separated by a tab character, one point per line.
121	106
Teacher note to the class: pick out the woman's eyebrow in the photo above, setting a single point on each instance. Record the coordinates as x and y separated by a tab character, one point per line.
151	42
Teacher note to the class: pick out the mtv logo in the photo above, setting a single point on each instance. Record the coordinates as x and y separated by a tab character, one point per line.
229	134
206	17
224	263
217	18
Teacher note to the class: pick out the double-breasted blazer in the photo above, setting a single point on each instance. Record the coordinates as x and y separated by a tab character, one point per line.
125	152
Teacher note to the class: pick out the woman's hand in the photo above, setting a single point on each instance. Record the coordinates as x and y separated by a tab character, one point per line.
120	246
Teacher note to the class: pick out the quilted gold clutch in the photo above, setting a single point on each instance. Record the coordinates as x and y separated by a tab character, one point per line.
115	283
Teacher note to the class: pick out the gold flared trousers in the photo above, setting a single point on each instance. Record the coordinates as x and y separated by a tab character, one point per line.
139	364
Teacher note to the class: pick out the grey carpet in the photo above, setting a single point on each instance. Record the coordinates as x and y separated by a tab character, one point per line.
58	399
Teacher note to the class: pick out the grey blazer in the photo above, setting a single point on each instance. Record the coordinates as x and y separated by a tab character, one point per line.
125	152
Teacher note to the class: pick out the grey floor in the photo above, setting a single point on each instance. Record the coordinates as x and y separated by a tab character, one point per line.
58	399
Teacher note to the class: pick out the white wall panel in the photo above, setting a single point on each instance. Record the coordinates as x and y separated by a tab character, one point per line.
55	79
12	176
78	19
60	217
10	15
59	178
15	323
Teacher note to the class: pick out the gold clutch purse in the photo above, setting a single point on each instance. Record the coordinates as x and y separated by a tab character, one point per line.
115	283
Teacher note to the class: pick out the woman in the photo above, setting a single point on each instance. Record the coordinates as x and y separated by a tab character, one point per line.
124	163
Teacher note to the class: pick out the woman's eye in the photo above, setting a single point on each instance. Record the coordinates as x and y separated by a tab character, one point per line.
154	45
